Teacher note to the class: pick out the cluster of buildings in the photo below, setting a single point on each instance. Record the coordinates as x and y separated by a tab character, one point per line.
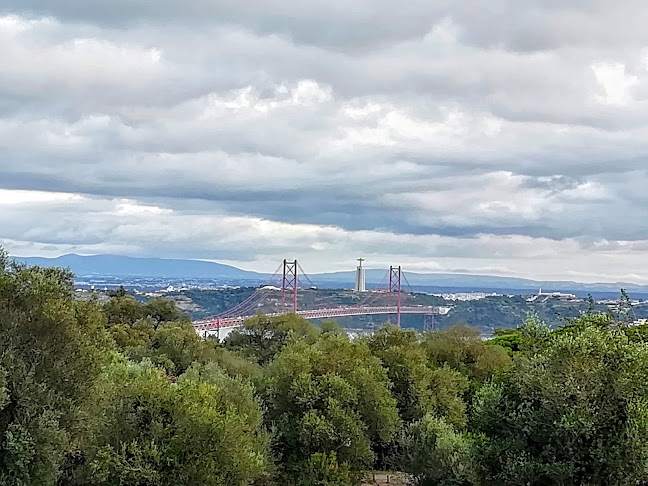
465	296
543	296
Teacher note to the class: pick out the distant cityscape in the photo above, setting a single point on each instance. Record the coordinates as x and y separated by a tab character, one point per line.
481	301
108	271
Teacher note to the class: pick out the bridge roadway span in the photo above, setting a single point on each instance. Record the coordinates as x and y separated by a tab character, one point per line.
214	323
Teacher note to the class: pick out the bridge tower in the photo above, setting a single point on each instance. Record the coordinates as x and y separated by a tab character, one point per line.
395	286
289	283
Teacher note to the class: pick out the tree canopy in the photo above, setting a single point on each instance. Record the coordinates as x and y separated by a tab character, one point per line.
127	393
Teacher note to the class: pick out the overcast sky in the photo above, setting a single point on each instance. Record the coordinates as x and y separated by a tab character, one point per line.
505	137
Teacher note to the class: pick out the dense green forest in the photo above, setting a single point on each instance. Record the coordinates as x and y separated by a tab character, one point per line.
126	393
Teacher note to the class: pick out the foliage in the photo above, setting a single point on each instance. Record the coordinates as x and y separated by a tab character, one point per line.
418	388
638	333
52	350
172	345
329	396
125	393
178	343
322	469
123	309
262	337
406	365
236	365
435	454
462	349
206	429
331	327
509	339
162	310
130	337
531	335
571	413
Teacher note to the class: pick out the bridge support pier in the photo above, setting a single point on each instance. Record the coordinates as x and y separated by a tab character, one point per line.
428	322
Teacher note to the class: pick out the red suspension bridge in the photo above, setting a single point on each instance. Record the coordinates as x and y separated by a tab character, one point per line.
390	297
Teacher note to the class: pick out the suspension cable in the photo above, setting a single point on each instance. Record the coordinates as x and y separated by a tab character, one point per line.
244	304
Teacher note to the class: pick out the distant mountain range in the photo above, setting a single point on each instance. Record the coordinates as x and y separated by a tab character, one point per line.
463	280
116	265
122	266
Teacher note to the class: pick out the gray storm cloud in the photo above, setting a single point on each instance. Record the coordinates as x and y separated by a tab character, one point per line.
445	135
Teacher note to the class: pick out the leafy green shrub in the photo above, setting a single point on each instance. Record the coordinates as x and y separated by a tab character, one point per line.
435	454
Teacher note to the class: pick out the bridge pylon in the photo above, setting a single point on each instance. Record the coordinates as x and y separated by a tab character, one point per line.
289	283
395	275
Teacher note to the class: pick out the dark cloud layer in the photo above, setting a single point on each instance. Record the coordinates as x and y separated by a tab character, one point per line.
504	137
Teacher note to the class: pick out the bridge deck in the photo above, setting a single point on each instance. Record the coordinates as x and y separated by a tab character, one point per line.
216	323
